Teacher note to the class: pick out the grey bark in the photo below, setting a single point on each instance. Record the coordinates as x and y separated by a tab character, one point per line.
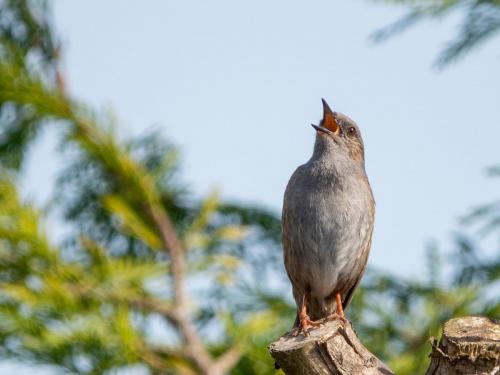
469	345
332	348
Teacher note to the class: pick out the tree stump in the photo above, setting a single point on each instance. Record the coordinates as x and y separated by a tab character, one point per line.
469	345
332	348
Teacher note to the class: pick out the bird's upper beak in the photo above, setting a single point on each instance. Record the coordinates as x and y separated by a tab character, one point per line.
328	123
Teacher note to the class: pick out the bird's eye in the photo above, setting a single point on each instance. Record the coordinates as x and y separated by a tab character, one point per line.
351	130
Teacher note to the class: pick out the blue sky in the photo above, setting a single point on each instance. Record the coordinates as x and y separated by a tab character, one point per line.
236	84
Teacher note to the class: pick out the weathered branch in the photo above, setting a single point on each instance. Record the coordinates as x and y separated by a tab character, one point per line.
173	245
194	348
333	348
469	345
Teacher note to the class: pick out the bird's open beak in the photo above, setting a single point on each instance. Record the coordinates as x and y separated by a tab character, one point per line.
320	129
328	124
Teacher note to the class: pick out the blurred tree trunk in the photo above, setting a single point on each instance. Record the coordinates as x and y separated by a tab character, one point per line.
469	345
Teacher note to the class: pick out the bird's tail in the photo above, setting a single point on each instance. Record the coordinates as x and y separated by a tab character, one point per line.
320	308
297	320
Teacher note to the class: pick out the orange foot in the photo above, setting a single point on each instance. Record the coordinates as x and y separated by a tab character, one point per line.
335	316
305	324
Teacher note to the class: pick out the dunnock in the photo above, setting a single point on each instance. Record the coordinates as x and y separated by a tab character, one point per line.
328	216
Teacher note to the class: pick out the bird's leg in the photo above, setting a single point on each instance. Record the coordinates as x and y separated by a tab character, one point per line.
305	322
340	309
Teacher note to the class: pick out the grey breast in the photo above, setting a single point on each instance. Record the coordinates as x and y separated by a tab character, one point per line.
327	224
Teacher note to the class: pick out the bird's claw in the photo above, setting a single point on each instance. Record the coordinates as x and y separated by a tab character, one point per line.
305	324
335	316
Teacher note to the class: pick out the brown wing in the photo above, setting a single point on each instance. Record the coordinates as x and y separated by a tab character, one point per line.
288	231
363	259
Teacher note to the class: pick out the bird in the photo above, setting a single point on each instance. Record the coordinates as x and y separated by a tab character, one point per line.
328	218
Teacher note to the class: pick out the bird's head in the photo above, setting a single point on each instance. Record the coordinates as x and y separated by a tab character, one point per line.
338	138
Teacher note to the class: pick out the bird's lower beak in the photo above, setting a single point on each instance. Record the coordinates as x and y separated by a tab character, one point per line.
321	129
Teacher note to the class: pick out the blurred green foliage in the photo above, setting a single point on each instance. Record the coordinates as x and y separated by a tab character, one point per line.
102	299
480	22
